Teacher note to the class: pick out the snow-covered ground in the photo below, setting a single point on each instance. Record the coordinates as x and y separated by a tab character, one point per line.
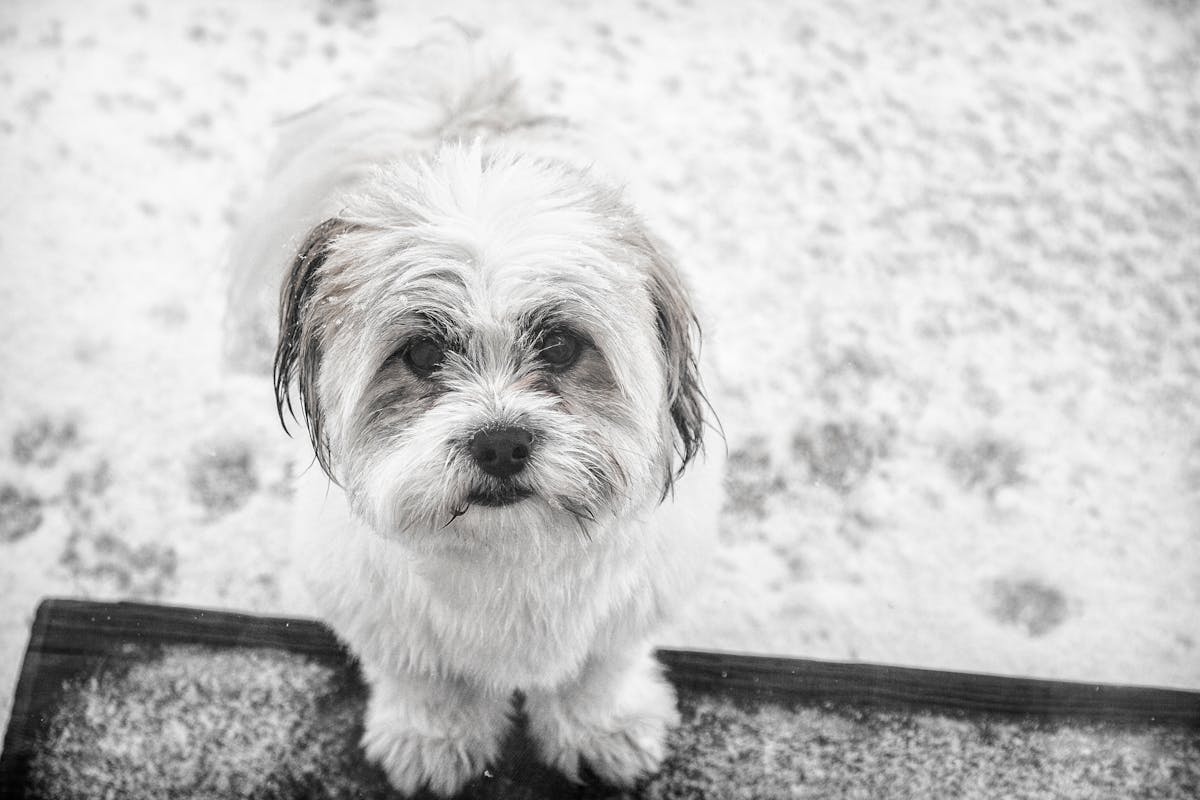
949	253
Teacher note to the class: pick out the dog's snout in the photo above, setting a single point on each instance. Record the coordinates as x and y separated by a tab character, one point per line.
502	452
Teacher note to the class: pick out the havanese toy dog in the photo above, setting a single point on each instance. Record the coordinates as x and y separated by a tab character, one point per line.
497	367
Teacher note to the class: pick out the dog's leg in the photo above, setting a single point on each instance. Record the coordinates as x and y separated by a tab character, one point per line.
614	717
438	732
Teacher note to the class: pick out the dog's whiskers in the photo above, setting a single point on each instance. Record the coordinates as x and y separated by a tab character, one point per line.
581	514
455	513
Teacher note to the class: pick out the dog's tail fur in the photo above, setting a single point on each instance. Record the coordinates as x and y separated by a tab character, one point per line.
452	86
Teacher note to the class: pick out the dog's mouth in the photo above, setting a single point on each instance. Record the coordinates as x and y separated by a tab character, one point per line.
496	498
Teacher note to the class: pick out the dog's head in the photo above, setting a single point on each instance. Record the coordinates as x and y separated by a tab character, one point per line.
491	340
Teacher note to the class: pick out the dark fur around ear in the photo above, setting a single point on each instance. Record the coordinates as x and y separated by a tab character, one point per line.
679	334
298	352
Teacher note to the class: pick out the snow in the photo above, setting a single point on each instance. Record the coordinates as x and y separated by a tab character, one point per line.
949	256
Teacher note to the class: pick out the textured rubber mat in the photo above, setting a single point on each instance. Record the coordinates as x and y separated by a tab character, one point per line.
132	701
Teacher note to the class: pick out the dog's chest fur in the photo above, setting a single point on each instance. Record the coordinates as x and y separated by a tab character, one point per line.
538	616
526	620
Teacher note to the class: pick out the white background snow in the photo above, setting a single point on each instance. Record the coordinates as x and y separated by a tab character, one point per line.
949	255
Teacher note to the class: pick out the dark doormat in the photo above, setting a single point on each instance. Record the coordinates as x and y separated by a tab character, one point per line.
138	701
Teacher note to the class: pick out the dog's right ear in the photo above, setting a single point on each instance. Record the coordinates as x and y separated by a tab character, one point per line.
301	329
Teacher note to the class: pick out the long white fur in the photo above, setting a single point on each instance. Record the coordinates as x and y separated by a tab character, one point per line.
449	615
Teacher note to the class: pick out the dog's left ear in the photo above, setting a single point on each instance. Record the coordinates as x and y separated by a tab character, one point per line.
679	335
301	330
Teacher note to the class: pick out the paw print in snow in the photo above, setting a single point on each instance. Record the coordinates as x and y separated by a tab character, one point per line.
222	477
988	464
838	455
43	441
20	513
750	479
1026	603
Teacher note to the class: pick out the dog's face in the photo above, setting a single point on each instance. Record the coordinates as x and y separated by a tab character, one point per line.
488	343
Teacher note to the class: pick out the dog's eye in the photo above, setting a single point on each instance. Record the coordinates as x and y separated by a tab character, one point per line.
559	349
424	356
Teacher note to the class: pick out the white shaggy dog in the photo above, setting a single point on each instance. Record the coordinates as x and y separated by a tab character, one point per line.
496	365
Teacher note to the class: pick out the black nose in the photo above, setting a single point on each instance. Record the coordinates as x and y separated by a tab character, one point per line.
501	451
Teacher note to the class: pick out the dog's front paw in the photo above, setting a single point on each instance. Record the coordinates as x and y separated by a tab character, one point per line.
421	745
414	761
620	751
621	738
